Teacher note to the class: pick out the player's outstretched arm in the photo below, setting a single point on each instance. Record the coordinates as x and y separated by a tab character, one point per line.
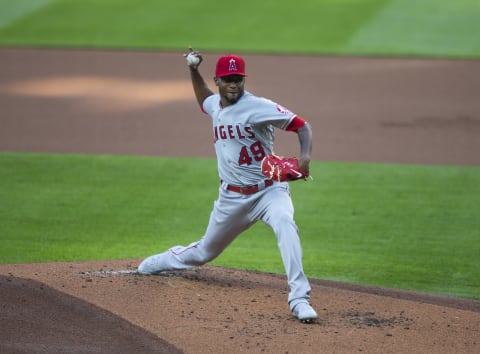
200	87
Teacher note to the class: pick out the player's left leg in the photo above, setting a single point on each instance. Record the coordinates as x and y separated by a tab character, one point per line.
277	211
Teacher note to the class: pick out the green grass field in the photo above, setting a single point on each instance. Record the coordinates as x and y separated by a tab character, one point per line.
401	226
436	28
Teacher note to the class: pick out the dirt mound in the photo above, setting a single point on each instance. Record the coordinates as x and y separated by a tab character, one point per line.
87	306
39	319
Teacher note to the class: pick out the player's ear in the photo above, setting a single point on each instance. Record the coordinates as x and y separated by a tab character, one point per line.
217	81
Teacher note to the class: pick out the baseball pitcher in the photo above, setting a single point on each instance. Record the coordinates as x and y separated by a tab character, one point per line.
253	181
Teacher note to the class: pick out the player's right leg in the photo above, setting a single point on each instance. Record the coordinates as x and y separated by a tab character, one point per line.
227	221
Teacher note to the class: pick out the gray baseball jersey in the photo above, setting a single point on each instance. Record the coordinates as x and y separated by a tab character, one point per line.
244	135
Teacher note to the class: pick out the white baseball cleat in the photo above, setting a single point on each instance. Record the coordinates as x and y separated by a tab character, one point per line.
151	265
304	312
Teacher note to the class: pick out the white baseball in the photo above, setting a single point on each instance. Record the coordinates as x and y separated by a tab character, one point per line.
192	59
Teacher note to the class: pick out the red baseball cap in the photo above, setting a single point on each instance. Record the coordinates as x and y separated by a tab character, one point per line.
230	65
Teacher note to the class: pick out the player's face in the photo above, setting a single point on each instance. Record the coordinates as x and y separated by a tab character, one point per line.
230	88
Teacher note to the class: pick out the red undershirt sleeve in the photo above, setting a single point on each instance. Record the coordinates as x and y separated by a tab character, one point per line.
296	124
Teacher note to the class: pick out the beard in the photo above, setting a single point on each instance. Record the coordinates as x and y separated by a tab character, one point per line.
232	97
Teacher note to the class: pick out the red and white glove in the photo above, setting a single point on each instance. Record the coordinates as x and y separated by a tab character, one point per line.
282	169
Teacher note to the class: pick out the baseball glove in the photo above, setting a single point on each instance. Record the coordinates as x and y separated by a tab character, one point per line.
282	169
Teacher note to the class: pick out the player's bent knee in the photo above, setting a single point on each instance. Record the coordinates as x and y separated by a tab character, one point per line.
282	223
